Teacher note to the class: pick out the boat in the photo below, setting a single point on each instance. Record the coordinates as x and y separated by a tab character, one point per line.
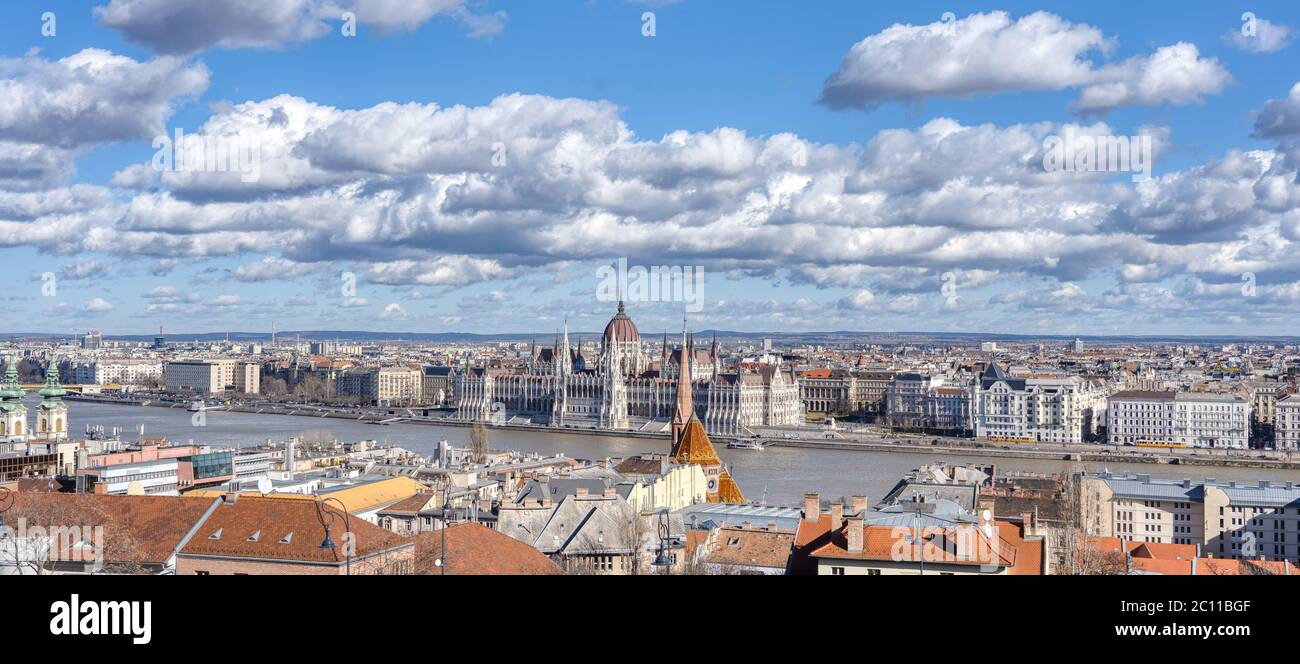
745	445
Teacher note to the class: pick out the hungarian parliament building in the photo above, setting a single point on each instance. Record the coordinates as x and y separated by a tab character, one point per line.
626	387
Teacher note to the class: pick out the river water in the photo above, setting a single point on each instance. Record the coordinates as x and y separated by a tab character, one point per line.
780	475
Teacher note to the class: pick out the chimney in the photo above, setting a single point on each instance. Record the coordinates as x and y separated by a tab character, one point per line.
580	492
811	506
854	535
837	515
610	493
858	504
987	504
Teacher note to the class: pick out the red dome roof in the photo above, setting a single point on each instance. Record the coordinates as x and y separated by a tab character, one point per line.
621	328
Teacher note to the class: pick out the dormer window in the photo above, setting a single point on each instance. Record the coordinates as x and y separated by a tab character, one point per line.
255	536
216	535
287	539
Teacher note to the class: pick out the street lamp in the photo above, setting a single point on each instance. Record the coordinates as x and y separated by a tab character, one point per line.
662	559
328	542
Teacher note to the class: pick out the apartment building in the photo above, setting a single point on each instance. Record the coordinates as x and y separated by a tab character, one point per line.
1185	419
905	400
386	386
844	392
1286	419
212	376
1225	519
1043	409
117	372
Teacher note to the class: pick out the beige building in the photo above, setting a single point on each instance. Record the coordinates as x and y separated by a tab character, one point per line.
1224	519
212	376
1286	417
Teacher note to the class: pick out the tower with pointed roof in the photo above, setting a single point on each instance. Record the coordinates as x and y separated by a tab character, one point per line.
562	368
52	413
13	414
684	410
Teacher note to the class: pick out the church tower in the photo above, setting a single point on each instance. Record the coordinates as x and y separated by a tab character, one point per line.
13	414
685	409
52	414
613	404
563	367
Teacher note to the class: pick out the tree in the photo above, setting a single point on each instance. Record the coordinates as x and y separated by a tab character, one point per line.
1078	553
47	529
478	444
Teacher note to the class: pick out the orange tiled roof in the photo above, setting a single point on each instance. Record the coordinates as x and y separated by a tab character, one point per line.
751	546
695	446
137	529
288	530
475	549
814	539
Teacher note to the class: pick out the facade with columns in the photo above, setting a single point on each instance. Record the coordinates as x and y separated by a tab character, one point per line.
622	387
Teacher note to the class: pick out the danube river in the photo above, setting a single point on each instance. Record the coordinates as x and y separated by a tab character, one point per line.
779	474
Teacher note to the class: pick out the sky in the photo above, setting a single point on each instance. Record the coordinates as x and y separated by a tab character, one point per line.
472	166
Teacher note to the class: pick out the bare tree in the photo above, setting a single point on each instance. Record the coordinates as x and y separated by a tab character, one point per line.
70	528
478	444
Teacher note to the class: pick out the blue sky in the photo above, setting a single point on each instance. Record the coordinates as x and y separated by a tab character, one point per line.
659	148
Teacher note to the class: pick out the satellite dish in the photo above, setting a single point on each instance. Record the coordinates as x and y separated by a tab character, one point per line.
264	485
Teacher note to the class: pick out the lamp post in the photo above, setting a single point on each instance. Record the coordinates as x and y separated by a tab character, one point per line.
328	542
662	559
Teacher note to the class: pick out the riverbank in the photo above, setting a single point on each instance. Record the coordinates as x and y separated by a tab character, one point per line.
916	445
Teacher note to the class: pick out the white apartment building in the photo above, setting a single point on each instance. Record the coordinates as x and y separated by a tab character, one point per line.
385	385
117	372
1225	519
212	376
1286	416
1048	410
1187	419
152	478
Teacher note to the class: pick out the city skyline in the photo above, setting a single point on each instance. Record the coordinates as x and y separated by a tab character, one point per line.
459	167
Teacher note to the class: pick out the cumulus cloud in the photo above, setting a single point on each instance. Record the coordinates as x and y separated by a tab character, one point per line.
180	27
1261	35
92	97
991	53
1280	118
98	305
393	311
527	187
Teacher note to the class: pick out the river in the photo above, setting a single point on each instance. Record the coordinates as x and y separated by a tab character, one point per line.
780	475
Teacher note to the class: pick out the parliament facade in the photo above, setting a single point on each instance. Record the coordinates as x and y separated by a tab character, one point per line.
624	387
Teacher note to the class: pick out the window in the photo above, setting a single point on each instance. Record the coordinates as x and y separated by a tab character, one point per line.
200	572
837	571
873	572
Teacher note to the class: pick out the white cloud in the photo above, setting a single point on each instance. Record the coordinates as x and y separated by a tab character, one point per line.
1267	37
92	97
98	305
1280	118
393	311
991	53
180	26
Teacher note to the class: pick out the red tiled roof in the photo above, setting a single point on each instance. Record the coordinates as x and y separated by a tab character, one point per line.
255	527
752	547
474	549
137	529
